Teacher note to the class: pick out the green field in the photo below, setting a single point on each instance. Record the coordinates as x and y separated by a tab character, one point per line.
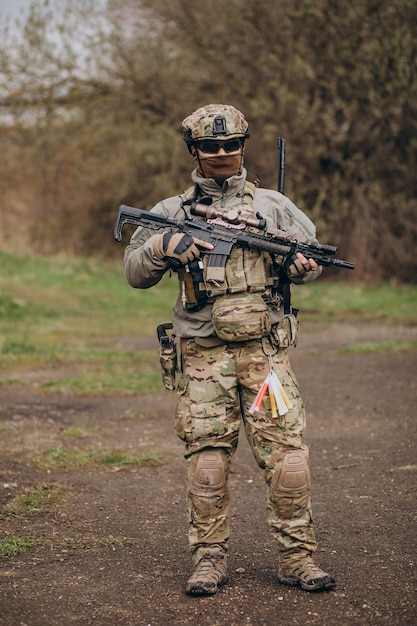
57	312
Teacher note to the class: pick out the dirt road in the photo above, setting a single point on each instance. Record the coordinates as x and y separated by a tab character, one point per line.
107	542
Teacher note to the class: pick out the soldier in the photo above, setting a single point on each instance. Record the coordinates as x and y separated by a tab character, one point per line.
229	347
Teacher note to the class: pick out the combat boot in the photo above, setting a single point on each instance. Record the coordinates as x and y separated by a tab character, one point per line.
209	574
304	573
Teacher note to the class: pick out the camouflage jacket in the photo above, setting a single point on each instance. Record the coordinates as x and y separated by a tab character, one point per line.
143	270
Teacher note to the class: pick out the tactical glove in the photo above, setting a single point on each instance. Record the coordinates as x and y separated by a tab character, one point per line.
178	248
297	266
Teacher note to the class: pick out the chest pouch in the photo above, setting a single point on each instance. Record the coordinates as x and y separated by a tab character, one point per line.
245	270
241	317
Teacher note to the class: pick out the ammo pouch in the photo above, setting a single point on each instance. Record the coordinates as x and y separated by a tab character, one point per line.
285	333
241	317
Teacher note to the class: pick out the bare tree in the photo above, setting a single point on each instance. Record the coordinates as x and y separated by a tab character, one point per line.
92	95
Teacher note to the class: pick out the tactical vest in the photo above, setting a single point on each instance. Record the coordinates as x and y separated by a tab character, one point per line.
245	270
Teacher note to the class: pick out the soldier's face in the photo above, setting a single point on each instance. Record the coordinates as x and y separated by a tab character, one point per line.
221	164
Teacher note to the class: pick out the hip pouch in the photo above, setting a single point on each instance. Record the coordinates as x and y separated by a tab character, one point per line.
167	355
168	362
241	317
285	333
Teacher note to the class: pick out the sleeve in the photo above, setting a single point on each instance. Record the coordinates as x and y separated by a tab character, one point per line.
291	219
306	232
297	223
141	267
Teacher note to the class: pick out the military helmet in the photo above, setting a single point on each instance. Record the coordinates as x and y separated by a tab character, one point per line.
214	121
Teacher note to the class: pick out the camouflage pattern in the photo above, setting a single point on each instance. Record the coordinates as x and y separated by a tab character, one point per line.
245	270
241	317
285	332
218	384
210	573
298	569
168	362
216	390
144	270
199	125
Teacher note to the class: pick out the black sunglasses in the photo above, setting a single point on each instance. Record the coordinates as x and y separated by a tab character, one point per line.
212	147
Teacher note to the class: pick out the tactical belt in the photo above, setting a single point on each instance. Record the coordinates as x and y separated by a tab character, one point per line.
206	342
211	342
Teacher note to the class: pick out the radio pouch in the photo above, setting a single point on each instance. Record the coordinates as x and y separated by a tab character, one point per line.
167	355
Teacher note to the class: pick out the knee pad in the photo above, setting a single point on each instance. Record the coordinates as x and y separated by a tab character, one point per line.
293	476
208	473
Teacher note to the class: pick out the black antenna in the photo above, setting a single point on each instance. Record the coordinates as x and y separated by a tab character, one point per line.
284	281
281	163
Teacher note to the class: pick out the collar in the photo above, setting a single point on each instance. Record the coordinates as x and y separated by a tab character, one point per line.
231	188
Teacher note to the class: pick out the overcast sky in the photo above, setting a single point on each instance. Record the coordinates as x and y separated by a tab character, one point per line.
13	8
10	10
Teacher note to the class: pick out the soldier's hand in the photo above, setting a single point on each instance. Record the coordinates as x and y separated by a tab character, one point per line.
299	266
178	247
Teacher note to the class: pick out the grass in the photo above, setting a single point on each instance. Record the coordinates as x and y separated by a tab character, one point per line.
63	547
33	500
15	545
103	372
69	316
381	346
74	432
66	458
391	304
57	296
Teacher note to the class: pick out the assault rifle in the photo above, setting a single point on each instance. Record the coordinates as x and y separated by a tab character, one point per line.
223	230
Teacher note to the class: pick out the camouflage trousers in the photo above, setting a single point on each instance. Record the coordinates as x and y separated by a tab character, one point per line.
216	390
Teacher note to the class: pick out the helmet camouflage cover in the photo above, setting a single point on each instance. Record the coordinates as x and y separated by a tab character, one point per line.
214	121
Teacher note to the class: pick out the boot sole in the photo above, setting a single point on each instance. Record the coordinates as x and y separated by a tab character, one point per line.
323	584
200	590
